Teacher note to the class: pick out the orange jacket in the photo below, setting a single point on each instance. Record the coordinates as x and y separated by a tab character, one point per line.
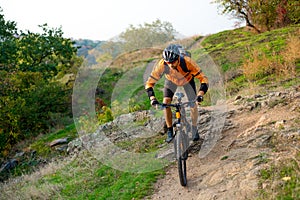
179	77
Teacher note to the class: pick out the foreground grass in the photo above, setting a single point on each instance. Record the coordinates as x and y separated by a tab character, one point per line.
280	176
80	177
86	178
38	151
281	179
41	145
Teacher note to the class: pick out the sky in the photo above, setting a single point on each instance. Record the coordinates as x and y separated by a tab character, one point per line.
105	19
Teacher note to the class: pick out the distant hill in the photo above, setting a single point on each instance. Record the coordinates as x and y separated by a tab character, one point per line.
85	45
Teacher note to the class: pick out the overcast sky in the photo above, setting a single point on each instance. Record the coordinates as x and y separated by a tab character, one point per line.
105	19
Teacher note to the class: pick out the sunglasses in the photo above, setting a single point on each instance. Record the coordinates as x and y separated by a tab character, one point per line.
171	62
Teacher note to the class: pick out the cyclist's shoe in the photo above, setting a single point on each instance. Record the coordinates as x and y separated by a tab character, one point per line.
196	136
165	128
169	136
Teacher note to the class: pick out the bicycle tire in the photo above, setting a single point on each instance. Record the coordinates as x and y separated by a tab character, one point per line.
181	156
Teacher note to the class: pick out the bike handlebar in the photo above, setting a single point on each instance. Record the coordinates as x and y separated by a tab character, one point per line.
179	104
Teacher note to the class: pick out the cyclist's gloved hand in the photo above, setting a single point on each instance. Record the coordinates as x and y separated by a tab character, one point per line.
199	98
154	102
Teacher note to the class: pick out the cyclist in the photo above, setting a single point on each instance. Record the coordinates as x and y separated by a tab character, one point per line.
179	71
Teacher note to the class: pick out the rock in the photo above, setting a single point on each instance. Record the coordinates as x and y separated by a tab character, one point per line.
9	165
263	140
256	96
33	153
238	97
75	145
20	154
280	124
62	148
264	104
286	178
58	141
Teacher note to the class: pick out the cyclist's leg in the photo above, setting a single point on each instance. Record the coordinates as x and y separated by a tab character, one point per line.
169	89
190	90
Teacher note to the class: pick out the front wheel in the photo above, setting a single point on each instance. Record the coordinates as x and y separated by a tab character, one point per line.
181	156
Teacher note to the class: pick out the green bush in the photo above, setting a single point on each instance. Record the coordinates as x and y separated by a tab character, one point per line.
27	102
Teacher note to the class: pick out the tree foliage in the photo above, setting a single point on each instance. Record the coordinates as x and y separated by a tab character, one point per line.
262	15
47	53
147	35
142	36
7	45
7	28
30	93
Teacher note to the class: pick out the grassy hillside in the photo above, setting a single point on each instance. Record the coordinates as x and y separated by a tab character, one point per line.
248	59
244	59
274	64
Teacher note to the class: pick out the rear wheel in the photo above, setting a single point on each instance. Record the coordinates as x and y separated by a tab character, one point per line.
181	156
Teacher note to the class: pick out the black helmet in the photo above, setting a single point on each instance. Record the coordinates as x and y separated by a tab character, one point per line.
171	53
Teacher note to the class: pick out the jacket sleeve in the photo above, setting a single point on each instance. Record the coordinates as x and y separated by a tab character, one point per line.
197	72
156	74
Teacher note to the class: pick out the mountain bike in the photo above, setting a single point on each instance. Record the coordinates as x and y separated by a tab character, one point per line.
181	128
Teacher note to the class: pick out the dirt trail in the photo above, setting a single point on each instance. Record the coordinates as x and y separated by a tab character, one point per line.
230	170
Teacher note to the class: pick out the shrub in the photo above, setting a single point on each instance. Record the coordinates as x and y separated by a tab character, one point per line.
27	103
291	54
257	66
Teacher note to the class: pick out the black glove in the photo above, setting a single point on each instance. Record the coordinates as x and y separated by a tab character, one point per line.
154	102
199	98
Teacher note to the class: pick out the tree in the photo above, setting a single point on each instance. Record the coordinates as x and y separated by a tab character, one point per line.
7	28
263	14
30	93
293	8
47	52
112	48
142	36
8	31
147	35
239	9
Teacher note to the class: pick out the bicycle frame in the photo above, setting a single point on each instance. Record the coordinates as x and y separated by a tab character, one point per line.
180	114
182	128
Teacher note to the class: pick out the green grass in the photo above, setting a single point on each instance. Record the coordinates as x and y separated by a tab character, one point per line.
237	84
109	184
282	181
87	178
291	82
107	82
280	178
41	146
229	48
124	90
142	145
101	182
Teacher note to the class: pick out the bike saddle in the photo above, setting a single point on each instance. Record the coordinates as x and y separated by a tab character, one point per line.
179	95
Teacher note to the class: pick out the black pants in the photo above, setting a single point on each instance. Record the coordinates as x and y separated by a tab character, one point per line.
189	88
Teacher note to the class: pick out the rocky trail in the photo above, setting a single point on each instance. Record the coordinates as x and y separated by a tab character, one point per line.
231	169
